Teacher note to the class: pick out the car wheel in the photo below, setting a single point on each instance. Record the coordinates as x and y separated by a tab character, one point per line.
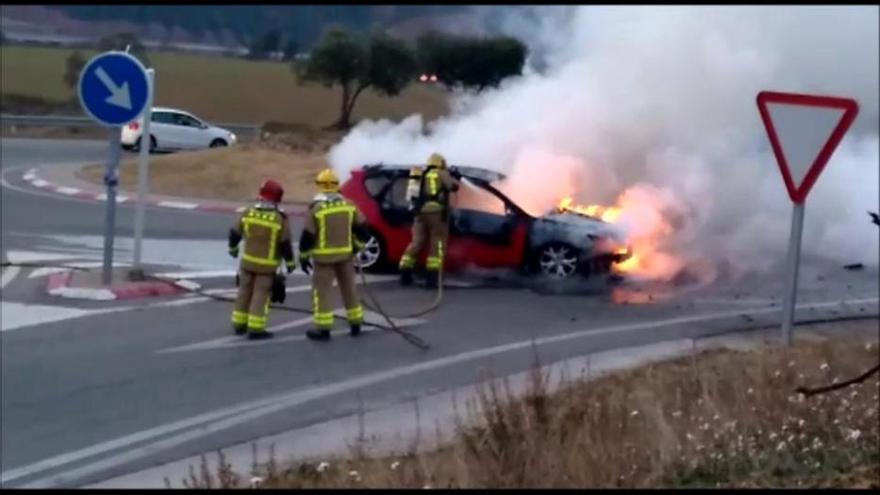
153	146
372	256
557	260
218	143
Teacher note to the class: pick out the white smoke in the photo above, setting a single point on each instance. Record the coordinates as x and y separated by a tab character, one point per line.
664	98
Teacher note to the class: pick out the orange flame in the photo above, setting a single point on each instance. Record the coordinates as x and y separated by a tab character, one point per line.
605	213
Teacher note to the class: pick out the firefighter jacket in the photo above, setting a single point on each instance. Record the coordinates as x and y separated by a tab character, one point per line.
266	235
436	185
334	231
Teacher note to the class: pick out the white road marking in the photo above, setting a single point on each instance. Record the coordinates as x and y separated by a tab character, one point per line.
28	177
83	293
19	315
249	411
42	272
730	300
70	191
179	205
39	183
235	339
202	274
9	274
119	198
15	256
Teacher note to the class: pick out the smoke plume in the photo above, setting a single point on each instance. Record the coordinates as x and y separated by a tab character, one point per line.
655	107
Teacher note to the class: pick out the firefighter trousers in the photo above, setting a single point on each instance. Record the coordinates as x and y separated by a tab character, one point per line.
322	285
430	228
252	305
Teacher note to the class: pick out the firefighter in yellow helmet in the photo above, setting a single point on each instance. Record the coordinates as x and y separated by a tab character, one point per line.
266	235
431	224
334	232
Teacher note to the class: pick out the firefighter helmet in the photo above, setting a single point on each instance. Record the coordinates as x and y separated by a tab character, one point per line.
327	181
437	160
271	191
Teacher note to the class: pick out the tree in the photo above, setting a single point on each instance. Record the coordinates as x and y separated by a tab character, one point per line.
383	63
470	62
119	41
265	45
291	49
73	66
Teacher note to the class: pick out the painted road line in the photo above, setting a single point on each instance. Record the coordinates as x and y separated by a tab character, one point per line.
39	183
9	274
42	272
233	339
19	315
70	191
178	205
298	397
15	256
202	274
119	198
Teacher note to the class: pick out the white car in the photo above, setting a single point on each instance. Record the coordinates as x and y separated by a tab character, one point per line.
172	129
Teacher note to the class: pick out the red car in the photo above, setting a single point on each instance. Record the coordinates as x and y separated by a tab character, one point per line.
486	228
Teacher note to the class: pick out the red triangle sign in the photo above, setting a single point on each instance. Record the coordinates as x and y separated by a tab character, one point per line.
799	150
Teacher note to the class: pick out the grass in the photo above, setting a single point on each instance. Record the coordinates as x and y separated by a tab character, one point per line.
720	418
215	88
232	174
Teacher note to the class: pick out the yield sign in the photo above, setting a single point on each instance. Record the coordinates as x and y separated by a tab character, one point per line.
804	130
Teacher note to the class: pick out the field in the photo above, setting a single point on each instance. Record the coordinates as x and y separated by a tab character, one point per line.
215	88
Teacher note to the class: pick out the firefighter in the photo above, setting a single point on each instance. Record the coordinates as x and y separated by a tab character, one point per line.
334	232
431	221
266	235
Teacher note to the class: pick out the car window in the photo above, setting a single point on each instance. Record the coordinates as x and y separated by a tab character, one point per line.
185	120
375	185
472	197
397	197
162	118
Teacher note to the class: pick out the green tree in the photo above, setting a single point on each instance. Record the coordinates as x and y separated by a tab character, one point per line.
121	41
263	46
382	63
73	66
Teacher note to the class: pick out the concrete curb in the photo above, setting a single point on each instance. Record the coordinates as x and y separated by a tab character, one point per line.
58	285
33	178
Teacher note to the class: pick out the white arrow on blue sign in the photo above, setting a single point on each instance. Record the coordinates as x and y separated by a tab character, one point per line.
113	88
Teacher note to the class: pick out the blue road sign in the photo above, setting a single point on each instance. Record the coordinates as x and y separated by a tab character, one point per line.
113	88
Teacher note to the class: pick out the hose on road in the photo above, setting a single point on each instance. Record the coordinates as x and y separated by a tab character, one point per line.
377	308
392	327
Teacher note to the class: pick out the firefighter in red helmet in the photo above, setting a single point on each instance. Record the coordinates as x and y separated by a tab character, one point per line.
266	234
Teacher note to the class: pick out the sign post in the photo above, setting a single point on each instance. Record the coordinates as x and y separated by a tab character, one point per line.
143	169
803	142
113	89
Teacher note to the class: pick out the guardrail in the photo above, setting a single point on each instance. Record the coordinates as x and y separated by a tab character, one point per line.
76	121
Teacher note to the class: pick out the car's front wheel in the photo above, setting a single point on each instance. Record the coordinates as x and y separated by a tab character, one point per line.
153	146
218	143
372	257
557	260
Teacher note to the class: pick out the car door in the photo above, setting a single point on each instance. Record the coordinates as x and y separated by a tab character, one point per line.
484	231
163	129
191	132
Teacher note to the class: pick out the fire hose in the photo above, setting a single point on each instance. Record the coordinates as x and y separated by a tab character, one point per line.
392	327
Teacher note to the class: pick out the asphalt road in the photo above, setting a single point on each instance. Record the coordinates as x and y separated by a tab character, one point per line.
112	387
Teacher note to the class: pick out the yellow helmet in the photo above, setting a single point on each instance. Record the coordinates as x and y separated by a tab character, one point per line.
437	160
327	181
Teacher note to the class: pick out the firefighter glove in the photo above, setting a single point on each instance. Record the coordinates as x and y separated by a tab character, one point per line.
291	266
233	251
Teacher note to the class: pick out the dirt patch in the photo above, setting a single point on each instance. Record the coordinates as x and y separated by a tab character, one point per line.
230	174
719	418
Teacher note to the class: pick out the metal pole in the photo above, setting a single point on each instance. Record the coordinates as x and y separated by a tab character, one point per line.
793	263
143	170
111	180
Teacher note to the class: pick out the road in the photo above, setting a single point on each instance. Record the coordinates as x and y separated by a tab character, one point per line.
93	390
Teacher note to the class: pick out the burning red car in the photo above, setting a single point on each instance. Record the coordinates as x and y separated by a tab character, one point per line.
486	228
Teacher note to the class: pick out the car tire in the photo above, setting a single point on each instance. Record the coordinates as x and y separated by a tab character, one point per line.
556	260
218	143
374	253
153	145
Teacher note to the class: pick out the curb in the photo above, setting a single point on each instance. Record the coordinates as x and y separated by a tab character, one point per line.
58	285
32	177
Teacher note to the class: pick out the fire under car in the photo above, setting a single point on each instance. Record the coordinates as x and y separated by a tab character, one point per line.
487	229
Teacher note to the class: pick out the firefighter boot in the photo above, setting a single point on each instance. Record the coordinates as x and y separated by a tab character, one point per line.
318	334
355	329
240	329
432	280
406	278
260	335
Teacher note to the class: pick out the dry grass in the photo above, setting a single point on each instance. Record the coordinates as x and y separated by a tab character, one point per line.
717	419
218	89
232	174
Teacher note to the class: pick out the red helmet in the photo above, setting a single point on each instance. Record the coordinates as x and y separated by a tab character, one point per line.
271	191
